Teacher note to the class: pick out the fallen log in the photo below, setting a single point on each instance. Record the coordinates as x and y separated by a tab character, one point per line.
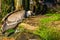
28	27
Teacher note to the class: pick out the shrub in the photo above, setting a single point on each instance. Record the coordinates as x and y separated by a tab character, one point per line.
7	7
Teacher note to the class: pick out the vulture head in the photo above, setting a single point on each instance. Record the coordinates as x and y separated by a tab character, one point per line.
29	13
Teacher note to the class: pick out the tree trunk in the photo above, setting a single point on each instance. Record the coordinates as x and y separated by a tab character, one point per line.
27	4
0	6
18	4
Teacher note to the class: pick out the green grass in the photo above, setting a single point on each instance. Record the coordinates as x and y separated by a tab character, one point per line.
10	30
20	28
48	33
51	17
45	32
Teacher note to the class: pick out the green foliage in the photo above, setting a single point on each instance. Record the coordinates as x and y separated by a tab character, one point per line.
20	28
53	17
10	30
6	7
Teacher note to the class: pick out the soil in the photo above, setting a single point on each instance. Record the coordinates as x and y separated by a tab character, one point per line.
34	20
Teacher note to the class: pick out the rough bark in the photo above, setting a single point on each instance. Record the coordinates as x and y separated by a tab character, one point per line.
18	4
0	6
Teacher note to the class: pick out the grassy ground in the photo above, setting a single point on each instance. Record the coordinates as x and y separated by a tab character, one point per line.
48	27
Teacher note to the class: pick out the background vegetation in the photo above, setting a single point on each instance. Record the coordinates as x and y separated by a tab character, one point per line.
7	6
47	30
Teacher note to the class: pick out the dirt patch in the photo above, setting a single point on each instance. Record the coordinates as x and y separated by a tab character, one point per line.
6	38
54	24
34	20
27	36
57	22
